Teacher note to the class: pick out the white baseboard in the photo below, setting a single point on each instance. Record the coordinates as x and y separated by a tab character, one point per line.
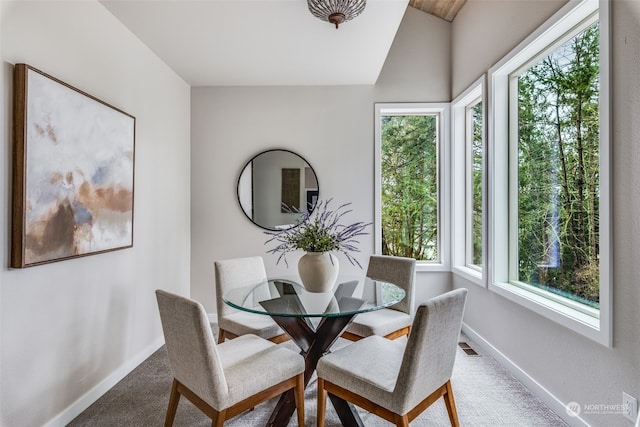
73	410
535	387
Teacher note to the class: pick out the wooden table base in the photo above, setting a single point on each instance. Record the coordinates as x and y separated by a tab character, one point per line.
313	343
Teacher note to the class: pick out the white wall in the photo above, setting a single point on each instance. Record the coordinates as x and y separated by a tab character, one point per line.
568	366
485	30
331	127
76	327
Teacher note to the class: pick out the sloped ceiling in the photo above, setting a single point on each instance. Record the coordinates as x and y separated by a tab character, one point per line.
268	42
262	42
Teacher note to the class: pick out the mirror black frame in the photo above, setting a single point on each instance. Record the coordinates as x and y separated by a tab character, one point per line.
249	164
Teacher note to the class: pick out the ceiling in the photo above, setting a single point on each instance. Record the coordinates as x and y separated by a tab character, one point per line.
267	42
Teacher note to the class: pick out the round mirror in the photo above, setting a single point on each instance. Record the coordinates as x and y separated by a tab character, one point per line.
276	188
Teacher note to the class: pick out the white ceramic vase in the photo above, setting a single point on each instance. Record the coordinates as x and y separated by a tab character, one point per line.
318	271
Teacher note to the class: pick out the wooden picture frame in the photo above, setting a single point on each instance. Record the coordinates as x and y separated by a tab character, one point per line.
290	194
73	172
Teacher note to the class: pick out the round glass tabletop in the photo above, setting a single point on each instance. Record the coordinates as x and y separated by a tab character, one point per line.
286	296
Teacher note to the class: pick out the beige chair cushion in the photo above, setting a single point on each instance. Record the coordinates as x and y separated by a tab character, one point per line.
222	375
191	348
398	377
242	323
400	271
237	273
373	376
252	364
379	322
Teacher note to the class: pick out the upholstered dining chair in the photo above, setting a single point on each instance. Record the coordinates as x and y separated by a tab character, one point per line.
394	381
395	321
232	323
223	380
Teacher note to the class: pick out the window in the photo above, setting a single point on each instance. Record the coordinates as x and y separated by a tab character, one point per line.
550	184
475	149
556	216
409	154
468	182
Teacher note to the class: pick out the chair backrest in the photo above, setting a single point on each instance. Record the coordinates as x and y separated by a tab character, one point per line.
236	273
191	348
431	348
397	270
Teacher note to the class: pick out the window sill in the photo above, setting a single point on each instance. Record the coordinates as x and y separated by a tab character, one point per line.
431	266
575	320
469	274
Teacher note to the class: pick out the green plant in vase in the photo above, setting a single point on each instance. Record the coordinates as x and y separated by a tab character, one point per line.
319	234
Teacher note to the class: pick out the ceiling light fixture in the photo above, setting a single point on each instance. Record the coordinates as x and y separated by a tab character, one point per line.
336	11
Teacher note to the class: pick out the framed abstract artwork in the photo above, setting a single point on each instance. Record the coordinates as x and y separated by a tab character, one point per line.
73	172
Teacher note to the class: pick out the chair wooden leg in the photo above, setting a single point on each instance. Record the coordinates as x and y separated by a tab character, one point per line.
322	401
218	419
174	399
451	405
279	338
399	333
220	336
402	420
299	396
350	336
392	336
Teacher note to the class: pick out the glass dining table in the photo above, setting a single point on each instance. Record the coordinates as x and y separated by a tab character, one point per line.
314	321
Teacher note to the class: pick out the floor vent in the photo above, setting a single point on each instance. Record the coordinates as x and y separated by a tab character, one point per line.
467	349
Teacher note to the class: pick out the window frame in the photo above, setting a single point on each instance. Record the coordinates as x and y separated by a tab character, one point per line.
444	188
594	324
461	164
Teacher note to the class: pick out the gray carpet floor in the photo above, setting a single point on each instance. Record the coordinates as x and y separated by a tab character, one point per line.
485	393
